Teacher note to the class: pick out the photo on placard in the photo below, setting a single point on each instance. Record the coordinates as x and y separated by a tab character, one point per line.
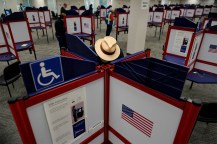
77	112
212	48
86	25
184	44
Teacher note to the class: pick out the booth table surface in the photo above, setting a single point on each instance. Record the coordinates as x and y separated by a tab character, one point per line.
83	35
199	76
23	45
7	57
174	59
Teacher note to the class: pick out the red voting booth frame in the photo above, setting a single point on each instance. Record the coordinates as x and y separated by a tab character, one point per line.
92	35
121	28
18	108
102	18
32	48
46	24
206	20
190	46
169	21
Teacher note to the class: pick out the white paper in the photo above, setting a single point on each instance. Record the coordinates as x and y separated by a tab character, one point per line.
145	4
122	20
63	113
182	41
73	25
158	17
86	25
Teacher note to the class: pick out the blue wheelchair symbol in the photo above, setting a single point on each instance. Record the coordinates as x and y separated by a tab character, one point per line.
47	73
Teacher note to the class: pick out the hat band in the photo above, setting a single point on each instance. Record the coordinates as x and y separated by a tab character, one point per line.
105	52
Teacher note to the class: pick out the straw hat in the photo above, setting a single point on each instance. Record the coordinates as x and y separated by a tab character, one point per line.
107	48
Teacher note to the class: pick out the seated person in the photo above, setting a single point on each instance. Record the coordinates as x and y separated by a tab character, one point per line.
108	50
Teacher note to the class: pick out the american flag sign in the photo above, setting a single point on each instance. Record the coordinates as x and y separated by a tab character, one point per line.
136	120
213	48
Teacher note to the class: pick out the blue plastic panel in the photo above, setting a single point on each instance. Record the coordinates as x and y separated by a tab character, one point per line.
159	75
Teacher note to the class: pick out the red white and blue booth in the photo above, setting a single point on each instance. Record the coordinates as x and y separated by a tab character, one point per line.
102	15
40	20
198	12
156	19
171	15
16	36
122	23
130	100
81	26
196	50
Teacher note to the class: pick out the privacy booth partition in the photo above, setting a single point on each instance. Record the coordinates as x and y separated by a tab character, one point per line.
135	99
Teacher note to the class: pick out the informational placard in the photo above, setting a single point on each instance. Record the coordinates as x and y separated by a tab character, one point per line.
122	20
195	48
20	31
182	41
198	11
73	25
190	13
66	116
175	14
158	17
103	13
86	25
144	4
151	15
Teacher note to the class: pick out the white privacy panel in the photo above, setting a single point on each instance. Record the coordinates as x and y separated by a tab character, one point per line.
8	35
175	14
206	11
208	50
80	11
195	48
3	49
206	67
103	13
94	117
179	42
182	12
151	15
32	17
42	19
47	16
2	38
147	109
20	31
73	25
168	14
86	25
199	12
190	13
158	17
122	20
114	139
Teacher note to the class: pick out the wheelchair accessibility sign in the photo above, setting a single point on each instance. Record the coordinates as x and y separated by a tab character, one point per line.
47	72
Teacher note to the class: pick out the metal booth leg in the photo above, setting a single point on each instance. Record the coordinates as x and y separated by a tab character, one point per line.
191	85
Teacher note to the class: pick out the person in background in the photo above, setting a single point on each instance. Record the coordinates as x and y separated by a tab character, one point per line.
109	21
22	8
63	9
60	32
91	9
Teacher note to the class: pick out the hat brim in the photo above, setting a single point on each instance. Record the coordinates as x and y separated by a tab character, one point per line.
105	56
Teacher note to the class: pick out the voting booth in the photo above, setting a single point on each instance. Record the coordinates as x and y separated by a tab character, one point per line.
156	20
40	20
206	11
122	23
17	37
170	15
102	14
205	67
206	20
198	13
81	26
182	45
131	100
6	54
189	13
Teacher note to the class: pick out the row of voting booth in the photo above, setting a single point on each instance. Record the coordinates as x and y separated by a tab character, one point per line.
15	36
131	100
194	49
122	23
81	26
39	20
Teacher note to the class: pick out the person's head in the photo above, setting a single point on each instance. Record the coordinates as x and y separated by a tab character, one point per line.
21	4
65	5
107	49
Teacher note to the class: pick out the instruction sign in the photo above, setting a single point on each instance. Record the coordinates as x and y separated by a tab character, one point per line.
46	73
145	4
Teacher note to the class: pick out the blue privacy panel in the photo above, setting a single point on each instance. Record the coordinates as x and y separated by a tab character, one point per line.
76	46
47	73
159	75
184	22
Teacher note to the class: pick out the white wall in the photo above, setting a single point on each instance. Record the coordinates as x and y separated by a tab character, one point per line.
120	3
38	3
202	2
9	4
